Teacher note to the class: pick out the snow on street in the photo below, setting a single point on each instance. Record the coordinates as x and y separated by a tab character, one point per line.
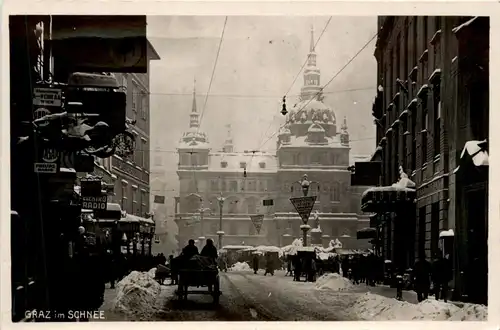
250	297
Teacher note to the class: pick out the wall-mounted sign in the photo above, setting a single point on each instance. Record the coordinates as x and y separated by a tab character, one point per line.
95	203
47	97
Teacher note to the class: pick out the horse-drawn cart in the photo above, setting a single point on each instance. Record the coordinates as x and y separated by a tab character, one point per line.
199	278
198	272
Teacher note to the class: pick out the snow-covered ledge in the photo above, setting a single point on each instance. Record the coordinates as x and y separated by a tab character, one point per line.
305	227
447	233
464	25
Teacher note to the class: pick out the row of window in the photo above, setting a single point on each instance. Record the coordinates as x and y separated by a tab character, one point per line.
315	158
233	186
138	205
412	73
139	97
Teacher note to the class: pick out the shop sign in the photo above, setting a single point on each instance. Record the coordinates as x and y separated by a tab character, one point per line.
95	203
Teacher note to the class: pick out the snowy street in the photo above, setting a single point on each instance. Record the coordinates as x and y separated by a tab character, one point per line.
254	297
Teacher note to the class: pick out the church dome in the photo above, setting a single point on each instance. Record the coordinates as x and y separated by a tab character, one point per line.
307	112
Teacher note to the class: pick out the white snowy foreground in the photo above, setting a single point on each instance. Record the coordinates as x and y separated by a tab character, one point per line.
374	307
250	297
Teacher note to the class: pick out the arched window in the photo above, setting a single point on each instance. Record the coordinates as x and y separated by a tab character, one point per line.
192	203
251	206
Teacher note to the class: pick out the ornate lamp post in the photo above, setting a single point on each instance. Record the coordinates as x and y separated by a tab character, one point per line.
220	233
202	210
305	185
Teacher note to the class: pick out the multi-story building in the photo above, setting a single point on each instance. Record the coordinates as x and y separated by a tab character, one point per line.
431	113
132	186
309	144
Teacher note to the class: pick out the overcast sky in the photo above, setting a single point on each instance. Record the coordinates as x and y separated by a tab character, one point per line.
259	58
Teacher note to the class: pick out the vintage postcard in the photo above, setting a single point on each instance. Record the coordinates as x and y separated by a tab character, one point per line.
229	167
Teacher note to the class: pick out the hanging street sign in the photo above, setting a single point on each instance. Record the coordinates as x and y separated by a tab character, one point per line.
257	221
304	206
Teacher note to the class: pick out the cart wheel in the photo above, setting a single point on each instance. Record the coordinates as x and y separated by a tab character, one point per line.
216	292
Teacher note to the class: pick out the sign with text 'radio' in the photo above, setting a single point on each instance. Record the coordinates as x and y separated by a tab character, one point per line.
304	206
95	203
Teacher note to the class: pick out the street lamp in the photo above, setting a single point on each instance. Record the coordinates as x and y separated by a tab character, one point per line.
305	185
202	210
220	233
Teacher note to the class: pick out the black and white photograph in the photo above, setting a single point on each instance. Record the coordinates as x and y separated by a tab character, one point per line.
248	167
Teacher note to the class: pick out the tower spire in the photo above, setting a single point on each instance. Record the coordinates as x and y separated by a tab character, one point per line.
311	47
228	144
194	122
311	88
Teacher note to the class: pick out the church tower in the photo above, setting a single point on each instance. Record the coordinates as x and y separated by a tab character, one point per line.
193	148
228	144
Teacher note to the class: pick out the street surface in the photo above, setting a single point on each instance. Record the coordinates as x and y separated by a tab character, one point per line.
250	297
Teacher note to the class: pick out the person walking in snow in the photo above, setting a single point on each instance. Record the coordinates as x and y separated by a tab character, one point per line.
255	263
421	278
289	267
269	265
441	276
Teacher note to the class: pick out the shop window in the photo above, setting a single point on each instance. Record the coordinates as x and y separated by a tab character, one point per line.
233	186
251	206
223	185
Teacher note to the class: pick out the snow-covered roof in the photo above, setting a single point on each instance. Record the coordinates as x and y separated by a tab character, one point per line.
251	160
235	247
67	170
479	156
316	230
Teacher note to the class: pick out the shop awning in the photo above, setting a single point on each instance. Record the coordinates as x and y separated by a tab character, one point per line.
366	233
136	219
388	198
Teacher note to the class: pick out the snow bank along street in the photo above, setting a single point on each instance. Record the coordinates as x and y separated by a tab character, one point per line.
250	297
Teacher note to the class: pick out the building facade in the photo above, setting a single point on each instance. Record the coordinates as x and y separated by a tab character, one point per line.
432	102
132	186
312	142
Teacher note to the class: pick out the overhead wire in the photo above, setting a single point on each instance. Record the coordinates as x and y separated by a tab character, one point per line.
296	76
206	99
322	88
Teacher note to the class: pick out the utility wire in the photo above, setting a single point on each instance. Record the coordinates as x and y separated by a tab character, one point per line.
305	62
206	97
321	89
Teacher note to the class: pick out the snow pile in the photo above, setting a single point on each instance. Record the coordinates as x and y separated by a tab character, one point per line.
240	267
375	307
137	294
471	312
334	282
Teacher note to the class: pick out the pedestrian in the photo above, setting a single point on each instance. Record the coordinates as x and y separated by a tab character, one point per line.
441	275
255	263
399	285
289	267
269	265
297	269
173	272
421	278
